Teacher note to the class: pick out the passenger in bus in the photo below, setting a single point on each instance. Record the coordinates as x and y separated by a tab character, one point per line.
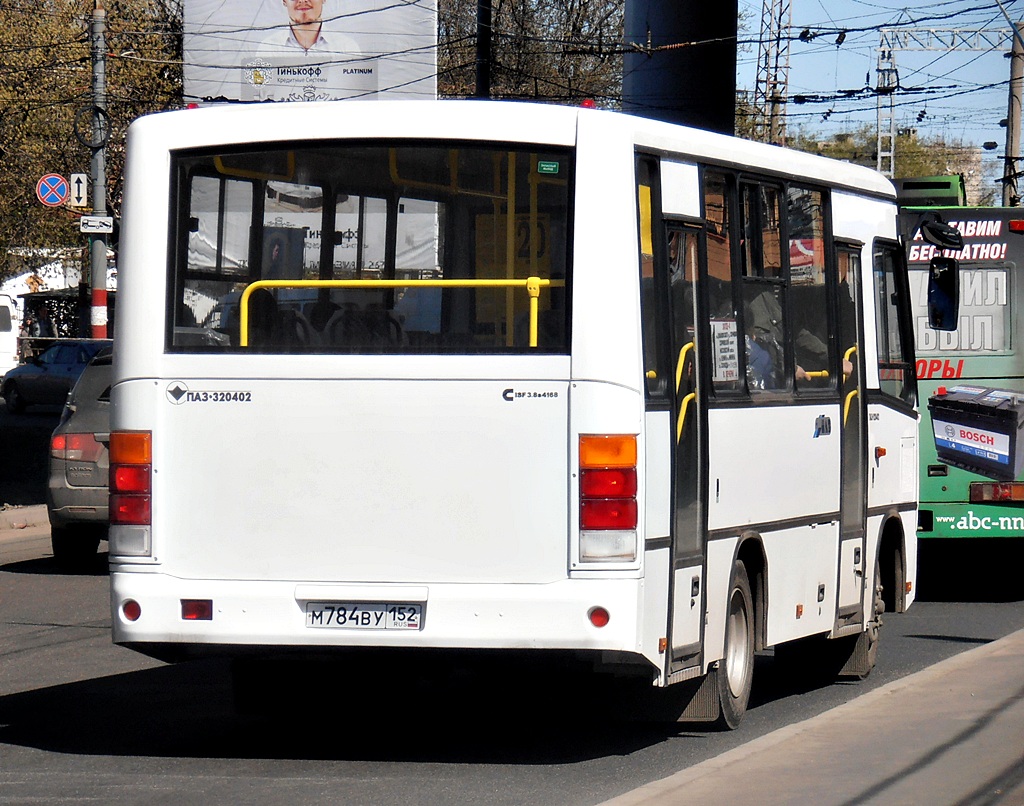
808	306
264	327
763	315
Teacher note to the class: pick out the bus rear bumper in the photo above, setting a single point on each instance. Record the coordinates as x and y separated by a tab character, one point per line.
245	614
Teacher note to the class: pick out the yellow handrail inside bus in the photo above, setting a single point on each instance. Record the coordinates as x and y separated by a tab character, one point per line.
820	373
847	403
681	362
846	357
532	285
682	414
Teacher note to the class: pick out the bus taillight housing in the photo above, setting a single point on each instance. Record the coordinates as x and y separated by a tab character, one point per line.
988	492
131	501
608	505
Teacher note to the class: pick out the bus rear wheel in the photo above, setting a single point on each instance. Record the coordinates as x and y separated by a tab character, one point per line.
735	672
861	660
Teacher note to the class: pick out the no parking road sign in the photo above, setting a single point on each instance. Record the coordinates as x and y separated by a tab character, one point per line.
52	190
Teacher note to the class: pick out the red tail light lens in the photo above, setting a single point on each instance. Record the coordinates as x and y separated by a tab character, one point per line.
608	513
131	510
197	609
612	482
130	478
131	473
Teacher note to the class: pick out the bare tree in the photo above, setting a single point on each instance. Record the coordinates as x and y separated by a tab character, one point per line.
567	51
46	89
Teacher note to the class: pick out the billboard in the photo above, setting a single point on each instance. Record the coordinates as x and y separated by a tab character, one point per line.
309	50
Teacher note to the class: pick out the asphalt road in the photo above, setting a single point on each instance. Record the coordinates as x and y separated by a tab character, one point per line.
81	719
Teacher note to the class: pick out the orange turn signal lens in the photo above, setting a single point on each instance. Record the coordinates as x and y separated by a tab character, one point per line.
608	450
131	447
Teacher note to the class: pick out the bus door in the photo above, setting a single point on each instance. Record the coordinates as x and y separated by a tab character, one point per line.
670	254
683	247
854	451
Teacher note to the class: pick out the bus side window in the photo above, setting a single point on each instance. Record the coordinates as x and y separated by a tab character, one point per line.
764	302
808	288
655	368
892	325
725	344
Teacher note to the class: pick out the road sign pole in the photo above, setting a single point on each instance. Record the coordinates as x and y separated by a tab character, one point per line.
98	248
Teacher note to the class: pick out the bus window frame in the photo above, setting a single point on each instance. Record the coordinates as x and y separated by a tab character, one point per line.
181	191
901	287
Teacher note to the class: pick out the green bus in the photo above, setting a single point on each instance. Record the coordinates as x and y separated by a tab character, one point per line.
971	379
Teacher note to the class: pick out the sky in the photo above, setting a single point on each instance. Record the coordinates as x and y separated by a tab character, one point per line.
951	88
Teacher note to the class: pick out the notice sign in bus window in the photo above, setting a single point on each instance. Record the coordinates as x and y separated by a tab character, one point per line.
725	355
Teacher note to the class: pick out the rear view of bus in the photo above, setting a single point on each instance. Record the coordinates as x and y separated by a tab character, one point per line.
478	381
971	381
342	404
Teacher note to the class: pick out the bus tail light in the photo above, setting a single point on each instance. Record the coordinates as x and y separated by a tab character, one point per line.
197	609
131	506
131	610
608	506
996	492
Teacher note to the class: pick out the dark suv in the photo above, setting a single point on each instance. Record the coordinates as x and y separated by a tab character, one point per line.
76	495
47	378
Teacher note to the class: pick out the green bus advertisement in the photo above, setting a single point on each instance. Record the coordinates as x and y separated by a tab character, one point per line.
971	380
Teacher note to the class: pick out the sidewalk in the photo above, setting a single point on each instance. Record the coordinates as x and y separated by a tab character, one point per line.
950	734
17	519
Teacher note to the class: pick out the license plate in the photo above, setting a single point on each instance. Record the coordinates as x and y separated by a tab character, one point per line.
364	615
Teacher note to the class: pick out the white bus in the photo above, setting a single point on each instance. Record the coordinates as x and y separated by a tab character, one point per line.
508	379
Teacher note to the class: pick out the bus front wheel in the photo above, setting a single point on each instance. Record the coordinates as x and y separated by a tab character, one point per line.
735	672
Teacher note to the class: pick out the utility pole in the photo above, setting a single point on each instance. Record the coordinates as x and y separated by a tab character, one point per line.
1011	198
771	89
937	39
483	49
888	81
98	262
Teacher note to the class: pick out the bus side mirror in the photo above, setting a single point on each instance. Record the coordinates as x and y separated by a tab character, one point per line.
940	234
943	293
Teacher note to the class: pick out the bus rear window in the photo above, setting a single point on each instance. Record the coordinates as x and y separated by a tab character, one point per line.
353	248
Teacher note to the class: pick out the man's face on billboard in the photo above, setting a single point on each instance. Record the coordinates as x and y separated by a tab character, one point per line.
303	11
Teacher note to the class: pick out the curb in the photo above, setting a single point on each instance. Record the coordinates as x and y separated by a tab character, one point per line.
729	767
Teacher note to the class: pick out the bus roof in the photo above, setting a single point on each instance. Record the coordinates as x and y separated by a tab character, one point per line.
495	121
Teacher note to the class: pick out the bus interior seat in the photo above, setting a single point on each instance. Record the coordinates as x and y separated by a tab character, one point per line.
373	328
295	329
320	313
